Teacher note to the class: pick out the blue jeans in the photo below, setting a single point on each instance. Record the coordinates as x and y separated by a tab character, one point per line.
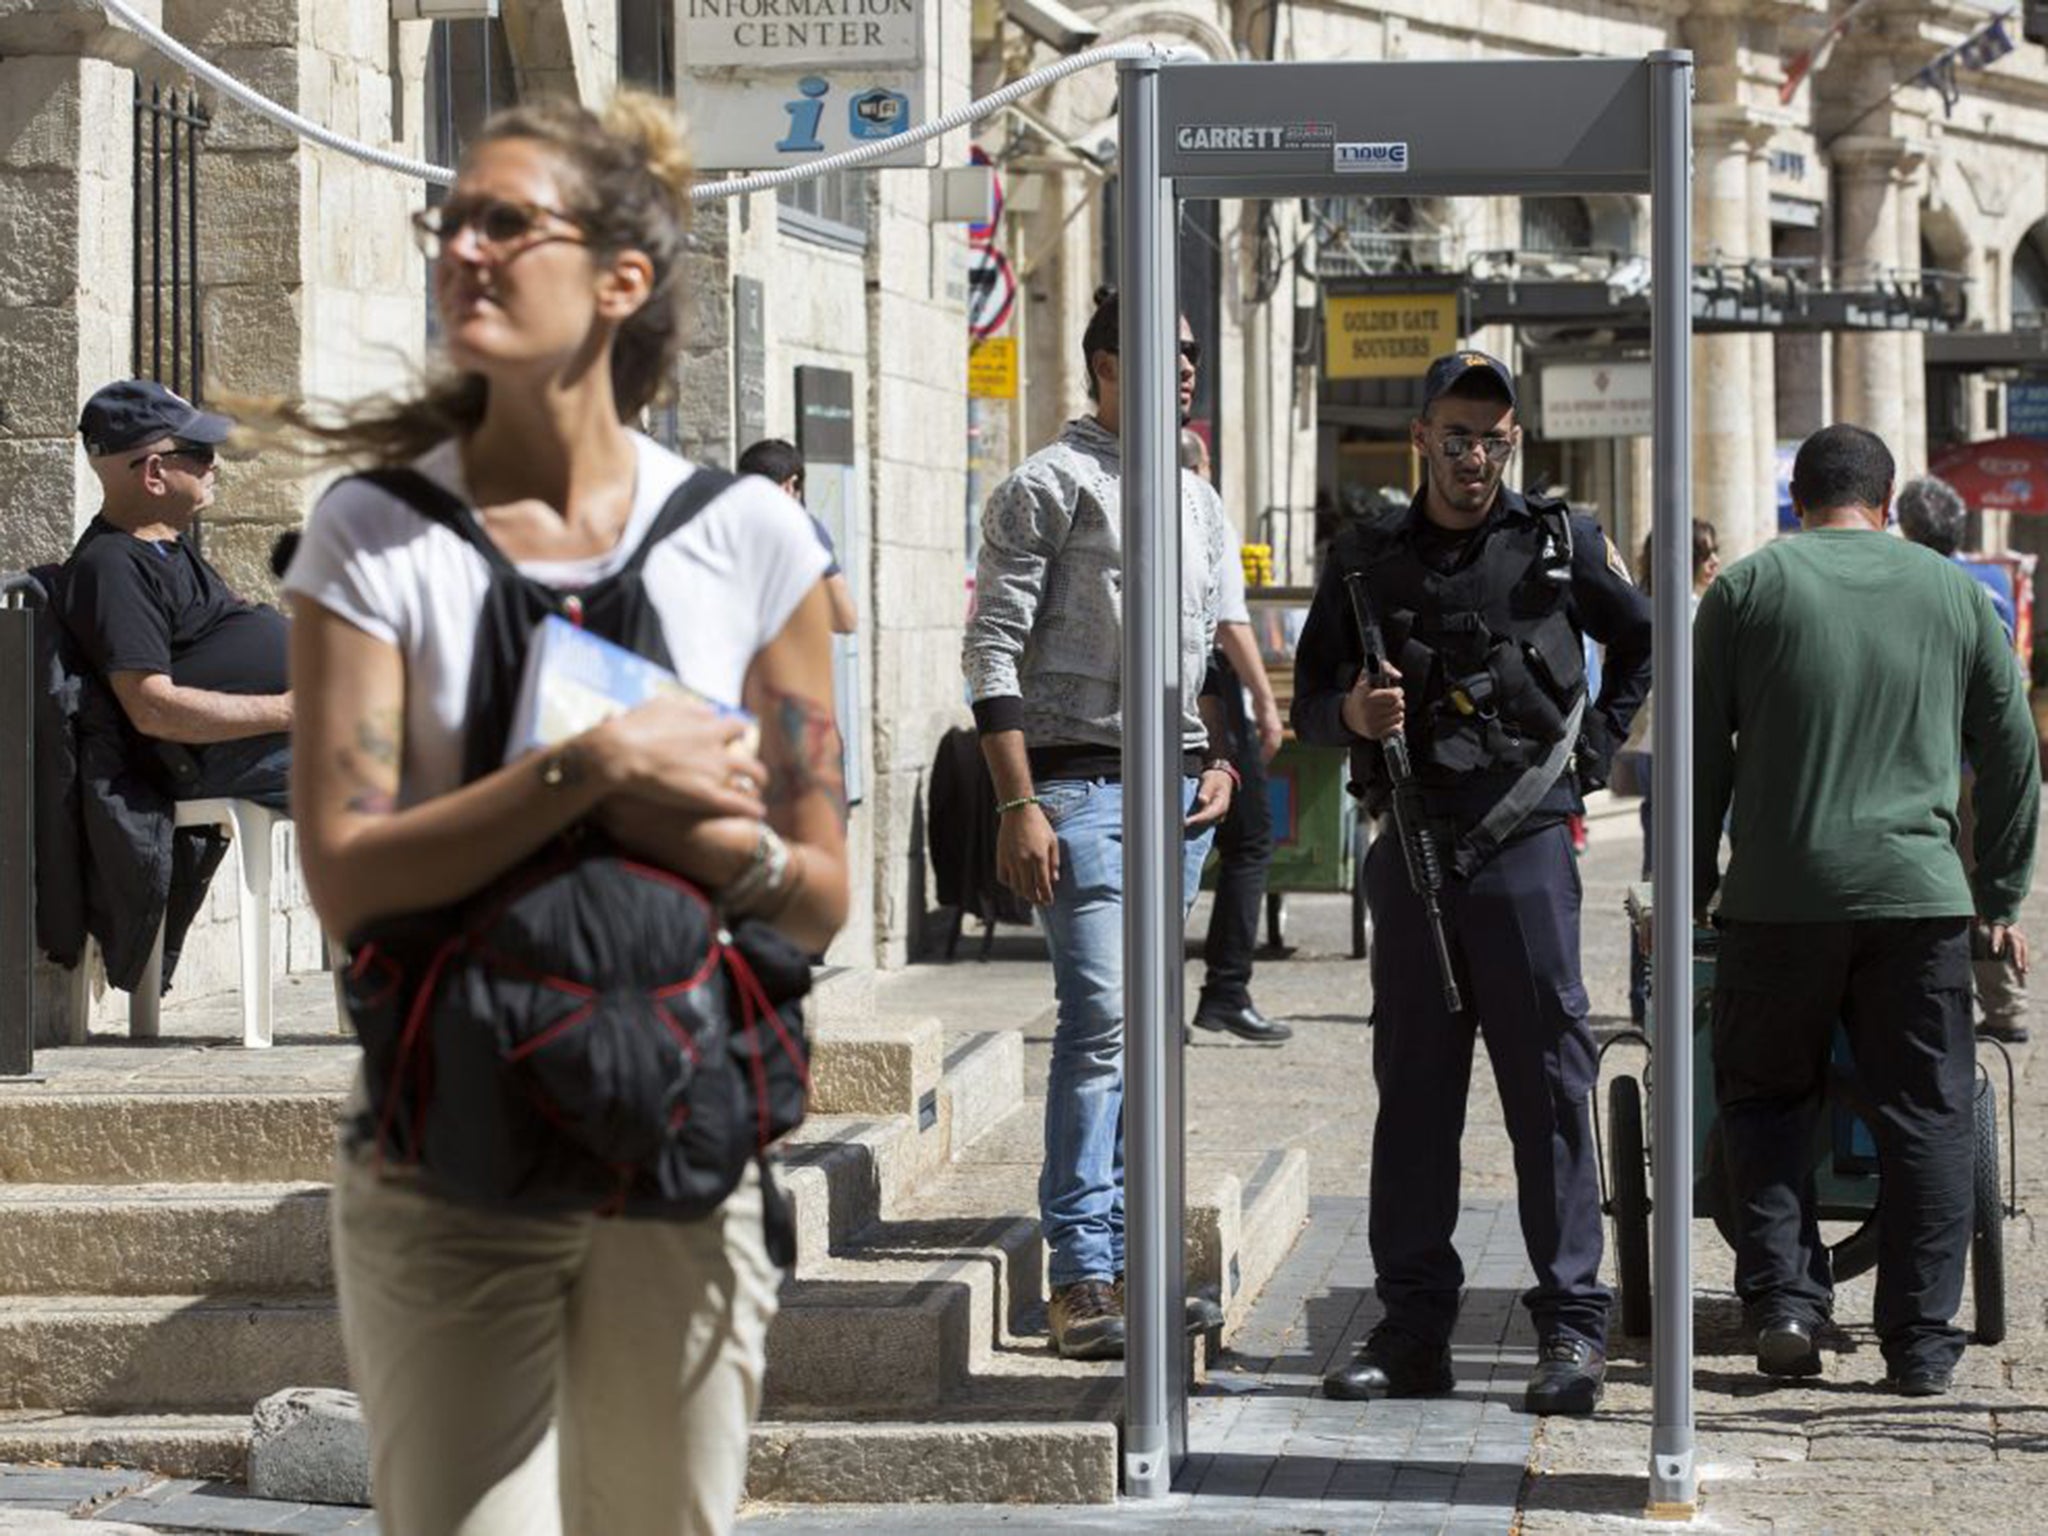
1081	1186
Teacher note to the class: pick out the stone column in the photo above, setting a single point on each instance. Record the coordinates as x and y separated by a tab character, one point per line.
64	286
1870	366
1762	510
1911	447
64	313
1724	430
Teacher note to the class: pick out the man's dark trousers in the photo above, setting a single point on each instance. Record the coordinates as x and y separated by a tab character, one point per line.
1244	847
255	768
1901	990
1514	932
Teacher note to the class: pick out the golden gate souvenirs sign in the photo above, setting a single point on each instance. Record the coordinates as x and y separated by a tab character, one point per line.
1385	335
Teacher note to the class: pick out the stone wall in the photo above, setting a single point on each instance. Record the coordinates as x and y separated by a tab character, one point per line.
918	601
816	306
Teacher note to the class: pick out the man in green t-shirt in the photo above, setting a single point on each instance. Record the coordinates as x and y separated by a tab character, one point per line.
1840	678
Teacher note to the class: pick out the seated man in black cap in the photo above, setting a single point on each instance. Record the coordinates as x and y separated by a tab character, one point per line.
198	671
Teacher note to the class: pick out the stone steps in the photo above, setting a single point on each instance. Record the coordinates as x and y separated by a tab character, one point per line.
164	1354
893	1334
173	1444
992	1460
164	1239
909	1360
55	1137
959	1269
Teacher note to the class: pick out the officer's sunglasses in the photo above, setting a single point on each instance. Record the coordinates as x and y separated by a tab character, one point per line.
199	455
1455	445
1191	350
502	224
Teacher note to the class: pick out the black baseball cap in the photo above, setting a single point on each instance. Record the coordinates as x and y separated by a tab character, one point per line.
1453	366
141	411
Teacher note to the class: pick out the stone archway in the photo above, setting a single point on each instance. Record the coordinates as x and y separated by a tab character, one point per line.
2029	295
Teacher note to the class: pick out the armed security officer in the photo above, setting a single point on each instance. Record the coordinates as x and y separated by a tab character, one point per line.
1483	596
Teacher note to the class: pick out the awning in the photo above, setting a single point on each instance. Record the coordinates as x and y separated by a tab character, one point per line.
2003	474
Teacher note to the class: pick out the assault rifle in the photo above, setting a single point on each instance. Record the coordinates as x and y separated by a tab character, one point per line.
1418	848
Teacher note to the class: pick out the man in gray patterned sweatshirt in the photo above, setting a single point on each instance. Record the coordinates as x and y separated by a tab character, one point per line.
1043	659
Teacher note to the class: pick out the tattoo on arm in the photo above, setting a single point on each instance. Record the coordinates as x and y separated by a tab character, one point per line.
369	767
803	754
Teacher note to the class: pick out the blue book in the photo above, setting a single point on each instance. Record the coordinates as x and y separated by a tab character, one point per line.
575	680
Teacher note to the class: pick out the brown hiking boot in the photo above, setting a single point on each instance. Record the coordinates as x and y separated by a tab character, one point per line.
1087	1321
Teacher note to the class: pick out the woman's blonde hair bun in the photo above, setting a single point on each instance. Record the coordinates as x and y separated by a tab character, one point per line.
656	127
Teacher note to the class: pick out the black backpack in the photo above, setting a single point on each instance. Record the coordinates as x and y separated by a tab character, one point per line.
588	1032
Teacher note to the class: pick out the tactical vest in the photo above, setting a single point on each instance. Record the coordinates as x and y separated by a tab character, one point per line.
1489	656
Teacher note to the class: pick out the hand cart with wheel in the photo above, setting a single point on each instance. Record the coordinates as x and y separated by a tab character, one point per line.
1843	1159
1317	834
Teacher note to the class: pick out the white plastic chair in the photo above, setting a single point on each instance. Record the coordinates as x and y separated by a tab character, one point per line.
248	824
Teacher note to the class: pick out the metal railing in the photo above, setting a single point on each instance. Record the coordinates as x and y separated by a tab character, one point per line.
169	125
20	595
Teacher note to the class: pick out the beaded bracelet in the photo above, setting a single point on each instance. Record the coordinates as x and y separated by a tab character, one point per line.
1004	807
1225	765
766	870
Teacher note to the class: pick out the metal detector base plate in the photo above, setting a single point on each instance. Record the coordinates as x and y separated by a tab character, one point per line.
1146	1475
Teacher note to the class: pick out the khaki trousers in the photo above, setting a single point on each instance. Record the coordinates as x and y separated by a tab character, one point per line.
543	1375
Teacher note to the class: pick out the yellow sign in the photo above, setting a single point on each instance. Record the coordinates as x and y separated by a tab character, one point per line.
1387	336
992	369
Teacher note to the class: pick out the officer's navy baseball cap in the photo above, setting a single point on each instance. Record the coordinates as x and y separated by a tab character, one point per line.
142	411
1453	366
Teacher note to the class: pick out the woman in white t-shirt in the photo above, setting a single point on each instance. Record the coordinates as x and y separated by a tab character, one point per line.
545	1373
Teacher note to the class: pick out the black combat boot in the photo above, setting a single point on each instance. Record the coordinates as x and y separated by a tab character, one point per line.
1392	1363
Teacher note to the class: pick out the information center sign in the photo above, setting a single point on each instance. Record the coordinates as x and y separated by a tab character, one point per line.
777	82
798	34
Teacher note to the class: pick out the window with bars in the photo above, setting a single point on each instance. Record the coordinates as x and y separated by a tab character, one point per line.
167	340
647	45
1556	224
1368	236
469	76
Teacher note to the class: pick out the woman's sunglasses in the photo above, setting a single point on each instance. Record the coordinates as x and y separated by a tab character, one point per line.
502	224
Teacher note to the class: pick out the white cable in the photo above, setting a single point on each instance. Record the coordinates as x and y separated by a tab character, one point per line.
707	191
263	106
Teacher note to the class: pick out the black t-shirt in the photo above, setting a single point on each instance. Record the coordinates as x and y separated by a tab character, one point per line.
146	605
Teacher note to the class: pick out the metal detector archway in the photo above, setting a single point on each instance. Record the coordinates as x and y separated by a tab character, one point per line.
1199	130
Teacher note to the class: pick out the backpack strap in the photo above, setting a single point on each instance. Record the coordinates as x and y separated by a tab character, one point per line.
436	503
704	486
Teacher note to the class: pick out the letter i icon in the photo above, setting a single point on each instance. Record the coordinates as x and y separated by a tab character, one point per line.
804	117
